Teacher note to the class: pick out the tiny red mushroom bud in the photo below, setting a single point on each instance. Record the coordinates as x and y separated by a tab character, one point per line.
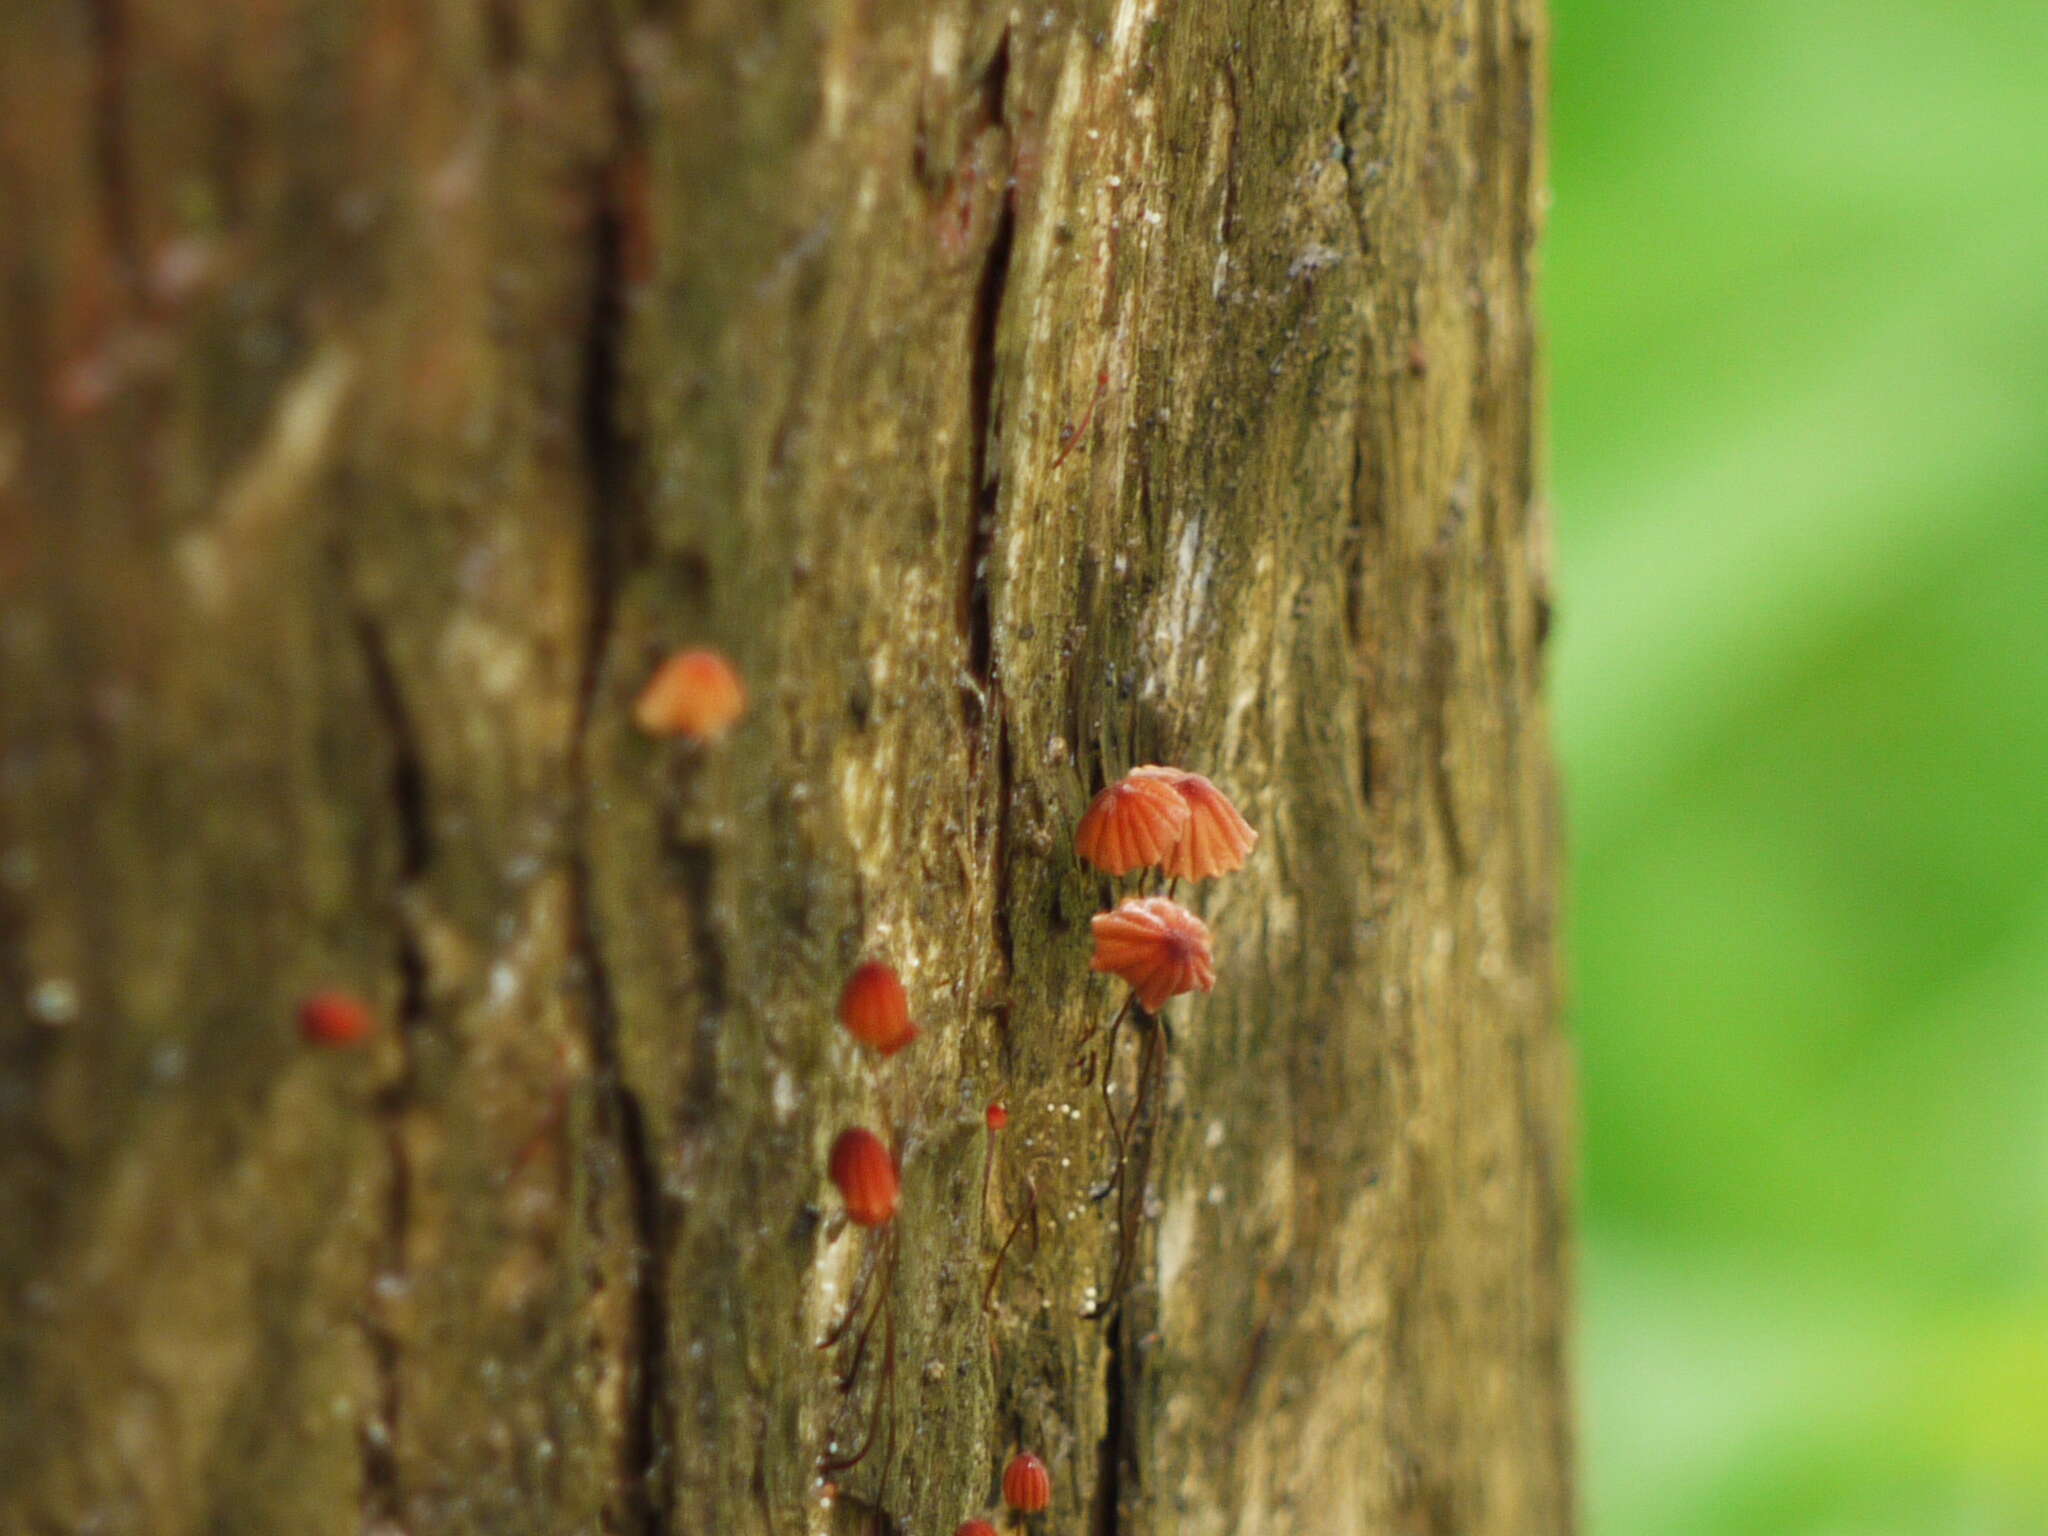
874	1009
695	694
335	1019
866	1176
1027	1486
1134	822
975	1528
1158	946
1216	837
998	1117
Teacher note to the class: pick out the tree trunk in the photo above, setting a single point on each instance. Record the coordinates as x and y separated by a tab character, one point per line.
1015	396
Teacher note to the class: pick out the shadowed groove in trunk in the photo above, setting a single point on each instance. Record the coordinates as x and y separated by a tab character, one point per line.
389	1264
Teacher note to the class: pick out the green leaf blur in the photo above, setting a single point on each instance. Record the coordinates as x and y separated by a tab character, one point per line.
1797	300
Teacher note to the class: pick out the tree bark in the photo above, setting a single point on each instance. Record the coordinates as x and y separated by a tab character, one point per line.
1016	396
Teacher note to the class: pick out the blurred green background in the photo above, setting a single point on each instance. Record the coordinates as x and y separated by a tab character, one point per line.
1797	298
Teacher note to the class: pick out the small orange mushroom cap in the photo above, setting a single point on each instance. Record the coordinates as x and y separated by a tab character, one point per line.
998	1117
696	694
1027	1486
335	1019
1134	822
1158	946
866	1176
1216	837
874	1009
975	1528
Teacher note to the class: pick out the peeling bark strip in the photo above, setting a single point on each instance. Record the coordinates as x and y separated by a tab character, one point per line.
1015	398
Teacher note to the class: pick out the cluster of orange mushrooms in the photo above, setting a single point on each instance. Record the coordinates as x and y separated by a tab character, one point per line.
1154	818
1181	824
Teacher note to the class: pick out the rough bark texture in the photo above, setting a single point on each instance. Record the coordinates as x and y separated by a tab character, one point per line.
1016	396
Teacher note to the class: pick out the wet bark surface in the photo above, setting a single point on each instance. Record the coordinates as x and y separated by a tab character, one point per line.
1015	396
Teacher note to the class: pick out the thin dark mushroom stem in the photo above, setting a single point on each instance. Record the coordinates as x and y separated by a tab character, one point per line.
1151	1079
885	1385
881	1306
885	1394
1088	1035
988	1168
1117	1132
996	1269
869	1264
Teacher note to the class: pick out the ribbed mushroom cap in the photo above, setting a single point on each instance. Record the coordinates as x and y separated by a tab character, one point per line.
1131	824
1027	1486
1216	838
1158	946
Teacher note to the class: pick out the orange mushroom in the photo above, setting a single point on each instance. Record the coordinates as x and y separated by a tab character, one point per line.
695	694
335	1019
866	1176
1134	822
1027	1485
1158	946
1215	838
874	1009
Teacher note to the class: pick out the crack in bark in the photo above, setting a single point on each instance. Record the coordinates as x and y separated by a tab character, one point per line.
1115	1444
616	524
1365	504
110	39
33	1161
984	424
408	778
382	1495
502	34
611	455
1440	666
1355	605
983	698
16	971
646	1470
1227	215
695	862
1351	124
1118	1450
